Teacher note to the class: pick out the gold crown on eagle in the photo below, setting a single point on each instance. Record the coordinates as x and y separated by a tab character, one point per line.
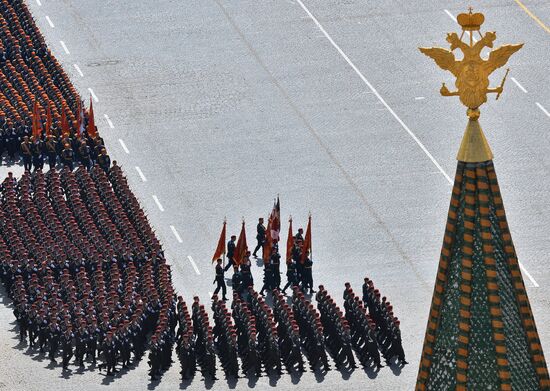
470	21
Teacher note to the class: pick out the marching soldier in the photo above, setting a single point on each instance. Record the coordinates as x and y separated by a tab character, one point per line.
246	274
67	347
103	160
37	157
268	278
275	261
291	276
51	151
67	156
260	236
220	280
307	276
26	152
54	336
81	338
84	155
230	252
237	281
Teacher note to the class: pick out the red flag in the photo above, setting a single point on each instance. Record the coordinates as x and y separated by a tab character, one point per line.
289	242
268	244
49	120
306	247
275	221
220	250
242	247
91	121
65	130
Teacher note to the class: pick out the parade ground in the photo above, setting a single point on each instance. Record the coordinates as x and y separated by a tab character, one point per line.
213	108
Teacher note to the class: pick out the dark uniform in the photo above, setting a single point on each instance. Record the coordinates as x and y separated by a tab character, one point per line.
84	154
67	157
37	157
291	276
67	347
220	281
26	152
230	253
51	152
104	161
260	237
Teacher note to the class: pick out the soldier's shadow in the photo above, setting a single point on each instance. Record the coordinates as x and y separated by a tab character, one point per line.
396	368
371	372
273	379
231	382
185	383
346	372
152	384
295	377
208	383
66	374
110	379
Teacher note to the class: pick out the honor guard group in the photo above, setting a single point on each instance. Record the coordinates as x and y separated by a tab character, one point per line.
87	275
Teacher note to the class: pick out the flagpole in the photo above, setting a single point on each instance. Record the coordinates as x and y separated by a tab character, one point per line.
310	239
224	240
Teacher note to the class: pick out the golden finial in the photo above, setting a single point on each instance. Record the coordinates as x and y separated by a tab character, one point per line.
472	78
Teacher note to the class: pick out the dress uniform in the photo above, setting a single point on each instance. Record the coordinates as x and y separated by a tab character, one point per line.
291	276
67	156
307	276
67	346
230	252
220	280
37	149
84	154
51	152
103	160
260	235
26	153
275	261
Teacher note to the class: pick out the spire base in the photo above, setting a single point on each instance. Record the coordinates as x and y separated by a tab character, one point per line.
474	147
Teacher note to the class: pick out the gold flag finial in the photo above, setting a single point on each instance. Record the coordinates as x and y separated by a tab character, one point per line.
472	77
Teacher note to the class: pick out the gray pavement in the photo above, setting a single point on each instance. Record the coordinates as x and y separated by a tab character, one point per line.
224	104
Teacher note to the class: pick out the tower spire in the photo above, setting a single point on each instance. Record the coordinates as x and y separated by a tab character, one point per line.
481	333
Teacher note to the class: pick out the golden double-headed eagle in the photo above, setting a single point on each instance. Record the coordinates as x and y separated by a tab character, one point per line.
471	72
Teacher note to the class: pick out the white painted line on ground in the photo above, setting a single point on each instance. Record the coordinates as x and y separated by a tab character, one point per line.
450	15
161	208
194	265
543	109
93	95
109	121
140	173
123	145
39	3
64	47
419	98
535	284
519	85
50	21
78	70
375	92
176	234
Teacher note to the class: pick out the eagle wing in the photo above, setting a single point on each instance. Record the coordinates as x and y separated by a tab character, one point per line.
444	58
500	56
